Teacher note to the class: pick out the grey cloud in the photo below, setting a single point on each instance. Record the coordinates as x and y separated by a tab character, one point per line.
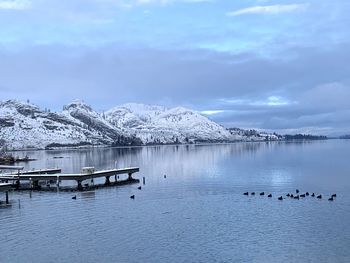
317	80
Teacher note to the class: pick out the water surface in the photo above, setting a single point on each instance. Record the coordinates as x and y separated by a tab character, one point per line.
196	214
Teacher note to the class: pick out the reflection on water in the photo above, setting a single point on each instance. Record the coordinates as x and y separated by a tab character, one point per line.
196	214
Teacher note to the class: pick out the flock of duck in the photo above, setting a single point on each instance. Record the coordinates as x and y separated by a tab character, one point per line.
295	196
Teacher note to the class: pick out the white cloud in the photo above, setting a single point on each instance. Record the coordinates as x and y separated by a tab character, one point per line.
212	112
269	9
15	4
270	101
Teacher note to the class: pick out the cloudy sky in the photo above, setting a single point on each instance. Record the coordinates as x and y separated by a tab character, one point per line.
266	64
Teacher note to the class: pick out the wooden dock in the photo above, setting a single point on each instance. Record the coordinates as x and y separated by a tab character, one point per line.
52	175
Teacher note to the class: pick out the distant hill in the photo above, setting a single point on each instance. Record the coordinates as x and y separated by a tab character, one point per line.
289	137
24	125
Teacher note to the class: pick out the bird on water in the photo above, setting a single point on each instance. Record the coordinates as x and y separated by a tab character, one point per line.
262	193
74	197
296	197
303	195
270	195
307	193
280	198
313	195
331	199
319	196
246	193
132	197
139	187
253	193
334	195
297	191
288	195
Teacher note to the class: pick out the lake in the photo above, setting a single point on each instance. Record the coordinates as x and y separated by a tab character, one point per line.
198	213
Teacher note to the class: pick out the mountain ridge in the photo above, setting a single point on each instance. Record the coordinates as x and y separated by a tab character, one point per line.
25	125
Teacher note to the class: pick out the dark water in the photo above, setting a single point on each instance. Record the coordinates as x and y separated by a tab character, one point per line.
196	214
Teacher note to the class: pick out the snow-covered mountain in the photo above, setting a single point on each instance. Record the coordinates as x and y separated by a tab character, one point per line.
24	125
156	124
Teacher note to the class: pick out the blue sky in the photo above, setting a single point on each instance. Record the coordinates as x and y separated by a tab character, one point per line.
278	65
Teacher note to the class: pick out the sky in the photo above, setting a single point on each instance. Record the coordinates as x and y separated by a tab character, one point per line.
272	65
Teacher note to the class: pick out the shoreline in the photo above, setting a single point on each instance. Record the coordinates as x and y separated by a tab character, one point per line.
157	145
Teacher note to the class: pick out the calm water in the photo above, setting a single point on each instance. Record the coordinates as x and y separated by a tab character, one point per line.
196	214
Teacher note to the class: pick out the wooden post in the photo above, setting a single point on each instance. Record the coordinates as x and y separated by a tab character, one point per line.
7	197
144	180
107	182
80	187
129	176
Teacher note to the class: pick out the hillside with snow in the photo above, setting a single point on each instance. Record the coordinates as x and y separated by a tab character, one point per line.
24	125
156	124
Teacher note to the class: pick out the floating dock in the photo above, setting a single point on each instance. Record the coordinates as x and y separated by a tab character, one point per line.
54	175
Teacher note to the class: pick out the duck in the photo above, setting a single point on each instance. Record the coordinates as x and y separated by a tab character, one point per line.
307	194
246	193
74	197
334	195
331	199
262	193
319	196
297	191
291	195
139	187
288	195
280	198
296	197
164	175
132	196
253	193
270	195
303	195
313	195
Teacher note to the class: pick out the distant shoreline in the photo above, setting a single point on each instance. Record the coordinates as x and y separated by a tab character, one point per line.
164	144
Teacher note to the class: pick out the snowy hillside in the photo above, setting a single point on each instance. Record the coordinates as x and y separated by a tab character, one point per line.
24	125
156	124
254	135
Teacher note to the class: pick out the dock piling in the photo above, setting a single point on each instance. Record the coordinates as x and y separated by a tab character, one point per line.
107	181
7	197
144	180
80	187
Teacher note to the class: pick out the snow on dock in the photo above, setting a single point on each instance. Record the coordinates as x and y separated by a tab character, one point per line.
54	175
